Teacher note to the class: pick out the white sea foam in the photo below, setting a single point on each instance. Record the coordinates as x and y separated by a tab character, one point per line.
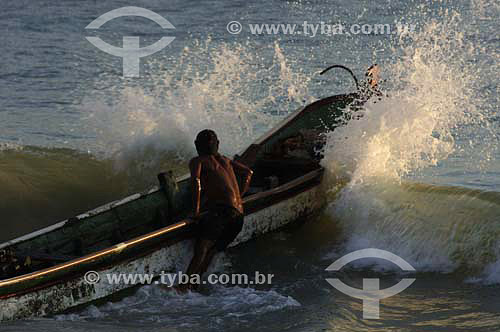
156	305
431	111
7	146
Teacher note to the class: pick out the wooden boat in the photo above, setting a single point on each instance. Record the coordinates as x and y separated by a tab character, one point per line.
47	271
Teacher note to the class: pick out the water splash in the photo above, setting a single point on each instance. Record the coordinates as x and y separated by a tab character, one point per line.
222	307
226	87
433	110
430	105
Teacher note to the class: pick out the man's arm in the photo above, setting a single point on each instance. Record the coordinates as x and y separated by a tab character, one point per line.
245	172
195	168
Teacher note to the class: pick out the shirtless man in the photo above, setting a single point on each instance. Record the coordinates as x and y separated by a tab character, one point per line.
216	191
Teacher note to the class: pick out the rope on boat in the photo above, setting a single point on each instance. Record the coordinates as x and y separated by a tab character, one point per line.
345	68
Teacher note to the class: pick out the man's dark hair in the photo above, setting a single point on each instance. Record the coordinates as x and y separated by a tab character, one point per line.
207	143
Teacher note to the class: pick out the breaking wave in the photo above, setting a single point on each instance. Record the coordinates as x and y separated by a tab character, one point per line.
435	108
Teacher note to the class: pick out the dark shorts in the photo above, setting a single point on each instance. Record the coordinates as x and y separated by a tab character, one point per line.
221	225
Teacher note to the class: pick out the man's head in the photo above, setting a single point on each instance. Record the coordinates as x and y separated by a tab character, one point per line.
206	143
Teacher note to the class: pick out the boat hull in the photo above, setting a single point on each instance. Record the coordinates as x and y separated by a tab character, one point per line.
170	259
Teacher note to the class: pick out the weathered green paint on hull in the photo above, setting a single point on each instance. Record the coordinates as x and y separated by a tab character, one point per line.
172	258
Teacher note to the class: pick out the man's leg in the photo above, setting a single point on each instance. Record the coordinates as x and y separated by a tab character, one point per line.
202	253
231	231
208	259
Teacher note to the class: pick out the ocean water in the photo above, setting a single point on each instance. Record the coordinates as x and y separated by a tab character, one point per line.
417	175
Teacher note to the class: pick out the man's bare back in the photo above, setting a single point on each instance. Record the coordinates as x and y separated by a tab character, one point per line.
218	182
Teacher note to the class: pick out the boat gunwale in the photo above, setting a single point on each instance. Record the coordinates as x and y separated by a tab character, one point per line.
89	214
301	111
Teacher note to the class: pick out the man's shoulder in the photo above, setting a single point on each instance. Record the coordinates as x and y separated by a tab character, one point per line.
208	159
226	160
